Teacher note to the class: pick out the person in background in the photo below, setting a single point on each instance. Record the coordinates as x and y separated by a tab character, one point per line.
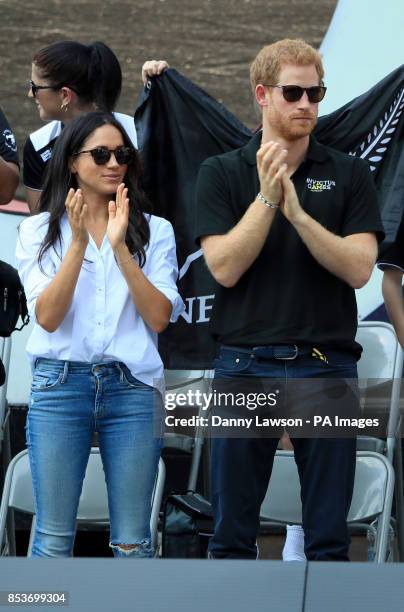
69	78
153	68
392	265
9	177
100	276
9	166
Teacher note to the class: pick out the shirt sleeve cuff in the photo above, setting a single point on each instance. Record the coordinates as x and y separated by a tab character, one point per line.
176	302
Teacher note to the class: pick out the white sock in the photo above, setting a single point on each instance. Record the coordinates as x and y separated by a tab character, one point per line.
293	549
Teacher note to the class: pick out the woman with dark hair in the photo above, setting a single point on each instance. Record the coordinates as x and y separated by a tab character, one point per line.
68	78
99	273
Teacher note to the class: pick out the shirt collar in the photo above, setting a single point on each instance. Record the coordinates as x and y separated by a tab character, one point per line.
316	151
249	151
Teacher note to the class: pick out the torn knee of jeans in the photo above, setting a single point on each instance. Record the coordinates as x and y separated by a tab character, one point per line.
140	549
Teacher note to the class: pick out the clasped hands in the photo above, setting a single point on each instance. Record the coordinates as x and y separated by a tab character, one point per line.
275	183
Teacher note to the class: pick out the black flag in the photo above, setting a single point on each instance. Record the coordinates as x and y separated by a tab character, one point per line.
372	127
179	125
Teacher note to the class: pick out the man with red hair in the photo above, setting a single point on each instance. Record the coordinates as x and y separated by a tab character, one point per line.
289	230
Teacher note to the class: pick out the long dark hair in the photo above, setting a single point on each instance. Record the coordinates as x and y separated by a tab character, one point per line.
92	71
59	179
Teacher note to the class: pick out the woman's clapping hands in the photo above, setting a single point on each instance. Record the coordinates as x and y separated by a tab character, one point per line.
77	212
118	212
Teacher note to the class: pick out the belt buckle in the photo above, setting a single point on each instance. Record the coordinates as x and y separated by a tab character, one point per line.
292	357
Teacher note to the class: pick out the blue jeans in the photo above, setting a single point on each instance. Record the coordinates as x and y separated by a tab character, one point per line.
69	402
241	466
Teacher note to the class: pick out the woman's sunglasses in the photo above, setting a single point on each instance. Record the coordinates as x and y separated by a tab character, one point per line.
35	88
293	93
102	155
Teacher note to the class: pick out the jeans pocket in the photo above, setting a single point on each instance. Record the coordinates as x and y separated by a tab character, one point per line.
128	379
43	380
342	363
230	362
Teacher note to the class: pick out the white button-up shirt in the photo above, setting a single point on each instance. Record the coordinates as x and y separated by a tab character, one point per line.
102	323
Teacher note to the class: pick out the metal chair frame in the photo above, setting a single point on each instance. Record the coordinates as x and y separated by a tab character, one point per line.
93	504
372	496
382	361
182	381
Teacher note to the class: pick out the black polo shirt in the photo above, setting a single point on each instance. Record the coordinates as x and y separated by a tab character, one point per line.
286	296
8	145
37	153
394	256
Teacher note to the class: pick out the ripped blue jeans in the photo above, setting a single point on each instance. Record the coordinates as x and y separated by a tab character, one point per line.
69	401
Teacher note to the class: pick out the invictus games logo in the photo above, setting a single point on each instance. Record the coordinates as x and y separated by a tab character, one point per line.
319	186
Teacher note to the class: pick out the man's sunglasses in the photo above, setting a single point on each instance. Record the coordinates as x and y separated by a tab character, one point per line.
293	93
102	155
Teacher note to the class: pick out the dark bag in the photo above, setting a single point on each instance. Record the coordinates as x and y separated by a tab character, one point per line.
187	526
13	303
